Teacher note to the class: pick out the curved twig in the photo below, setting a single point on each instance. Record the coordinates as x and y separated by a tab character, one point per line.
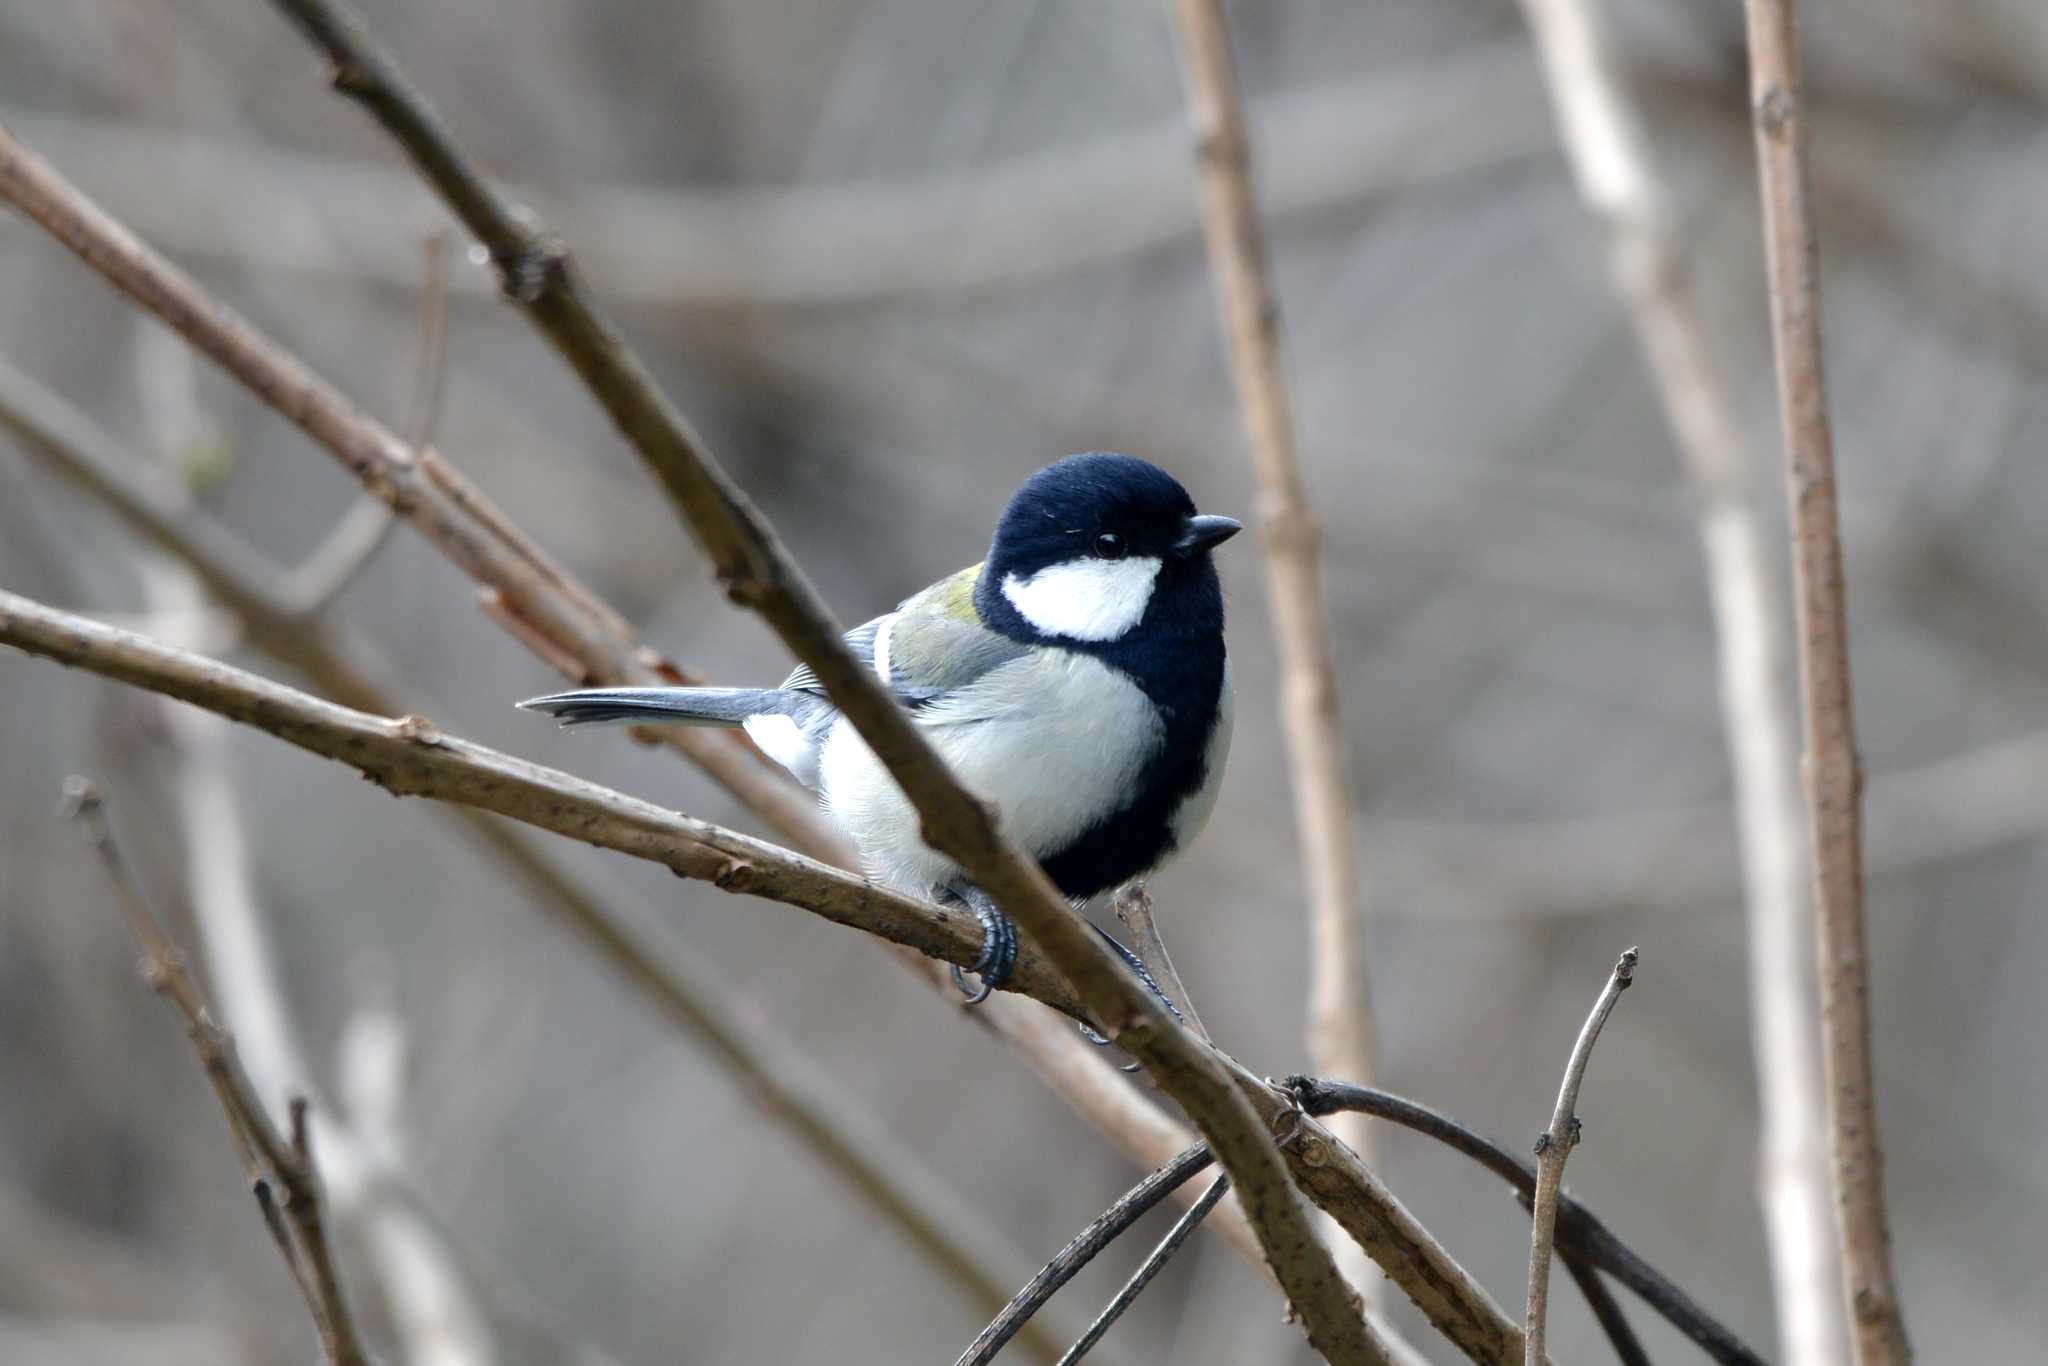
1552	1149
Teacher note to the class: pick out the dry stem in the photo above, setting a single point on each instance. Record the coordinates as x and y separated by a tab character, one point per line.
1833	770
1340	1033
1604	137
298	1224
1552	1149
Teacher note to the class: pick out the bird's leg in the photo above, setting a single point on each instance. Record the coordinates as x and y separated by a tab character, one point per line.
998	944
1137	965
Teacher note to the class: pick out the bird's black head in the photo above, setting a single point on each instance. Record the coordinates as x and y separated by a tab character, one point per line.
1098	549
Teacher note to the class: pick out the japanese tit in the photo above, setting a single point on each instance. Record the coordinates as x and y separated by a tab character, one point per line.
1076	677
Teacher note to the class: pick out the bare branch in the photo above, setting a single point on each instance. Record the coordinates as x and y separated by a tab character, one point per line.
1834	777
1103	1230
297	1226
1340	1033
409	757
1153	1263
535	274
1552	1149
1603	134
1581	1236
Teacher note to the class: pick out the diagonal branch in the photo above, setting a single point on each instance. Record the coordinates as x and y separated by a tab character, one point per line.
298	1224
1834	777
1340	1031
536	275
410	758
1553	1148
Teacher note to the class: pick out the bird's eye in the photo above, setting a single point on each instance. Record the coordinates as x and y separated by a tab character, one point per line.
1109	546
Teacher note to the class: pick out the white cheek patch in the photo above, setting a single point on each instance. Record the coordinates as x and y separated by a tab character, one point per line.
1085	599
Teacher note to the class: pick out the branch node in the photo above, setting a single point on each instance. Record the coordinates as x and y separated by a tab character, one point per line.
415	729
1774	111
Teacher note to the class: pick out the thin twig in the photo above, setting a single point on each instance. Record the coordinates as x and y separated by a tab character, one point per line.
1833	771
1603	133
1153	1263
297	1224
1103	1230
1340	1033
535	274
1581	1236
1134	908
1552	1148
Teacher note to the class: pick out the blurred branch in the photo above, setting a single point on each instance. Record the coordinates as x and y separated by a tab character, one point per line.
1833	770
1552	1148
553	614
535	273
1340	1033
1618	177
296	1224
1046	212
356	539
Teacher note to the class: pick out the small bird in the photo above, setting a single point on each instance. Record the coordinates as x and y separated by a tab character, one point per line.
1076	677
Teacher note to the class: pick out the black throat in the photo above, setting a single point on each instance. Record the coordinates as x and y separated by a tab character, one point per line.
1175	655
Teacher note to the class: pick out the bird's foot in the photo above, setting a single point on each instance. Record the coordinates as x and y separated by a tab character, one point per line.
998	946
1137	965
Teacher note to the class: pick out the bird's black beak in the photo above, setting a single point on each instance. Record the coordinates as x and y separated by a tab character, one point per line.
1203	532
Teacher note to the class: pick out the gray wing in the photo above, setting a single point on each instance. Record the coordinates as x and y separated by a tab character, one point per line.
932	645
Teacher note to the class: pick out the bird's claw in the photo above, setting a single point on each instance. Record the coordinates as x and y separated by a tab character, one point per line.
998	950
1136	965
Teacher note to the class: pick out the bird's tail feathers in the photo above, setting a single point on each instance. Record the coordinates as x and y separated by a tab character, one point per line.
670	706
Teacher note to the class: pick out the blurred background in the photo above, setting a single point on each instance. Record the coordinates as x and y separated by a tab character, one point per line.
892	256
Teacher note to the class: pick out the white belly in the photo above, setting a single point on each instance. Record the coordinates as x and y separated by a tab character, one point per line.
1055	740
